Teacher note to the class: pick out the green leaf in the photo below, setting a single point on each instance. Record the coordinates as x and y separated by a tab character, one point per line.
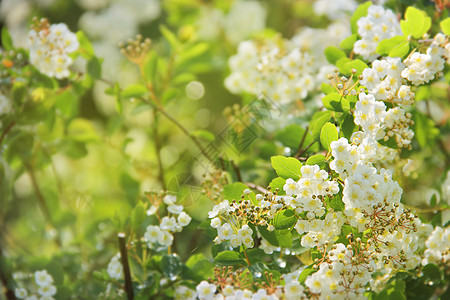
171	265
169	35
328	134
333	54
279	238
356	64
286	167
347	43
192	52
416	22
7	42
150	67
277	183
204	134
138	216
432	272
348	126
234	191
386	46
291	135
304	274
390	143
284	219
360	12
335	102
336	202
81	130
94	67
317	121
327	89
230	257
200	266
86	50
133	91
445	26
401	50
255	255
318	159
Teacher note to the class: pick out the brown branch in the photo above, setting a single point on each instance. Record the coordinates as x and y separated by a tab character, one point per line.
306	149
7	129
7	280
237	171
126	267
158	150
299	149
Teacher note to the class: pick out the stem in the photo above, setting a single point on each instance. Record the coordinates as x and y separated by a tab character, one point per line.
158	150
7	129
186	132
7	280
306	149
297	154
237	171
41	200
246	257
125	265
256	187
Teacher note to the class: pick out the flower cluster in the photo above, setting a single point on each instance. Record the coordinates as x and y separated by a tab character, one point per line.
50	46
423	67
230	223
284	70
46	290
242	20
115	269
344	272
334	10
379	24
437	247
162	233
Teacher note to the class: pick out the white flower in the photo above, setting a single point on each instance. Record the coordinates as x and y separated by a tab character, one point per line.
152	233
21	293
170	199
47	290
42	278
115	270
206	290
175	209
215	223
184	219
169	224
165	238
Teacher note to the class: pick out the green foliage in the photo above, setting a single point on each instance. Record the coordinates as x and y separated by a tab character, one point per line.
328	134
416	22
284	219
229	257
387	46
333	54
360	12
445	26
286	167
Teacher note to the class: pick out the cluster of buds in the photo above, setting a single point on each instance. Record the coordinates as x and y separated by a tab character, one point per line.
136	50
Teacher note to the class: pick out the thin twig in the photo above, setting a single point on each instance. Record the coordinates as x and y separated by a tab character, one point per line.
237	171
125	265
7	281
158	150
306	148
5	132
256	187
41	200
299	149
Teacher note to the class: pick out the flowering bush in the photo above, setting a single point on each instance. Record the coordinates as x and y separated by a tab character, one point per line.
225	152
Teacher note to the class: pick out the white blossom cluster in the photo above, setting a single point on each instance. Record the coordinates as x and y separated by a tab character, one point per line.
230	227
284	70
5	105
50	47
437	247
242	20
377	123
334	10
46	290
379	24
292	290
423	67
344	275
306	195
115	269
162	234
